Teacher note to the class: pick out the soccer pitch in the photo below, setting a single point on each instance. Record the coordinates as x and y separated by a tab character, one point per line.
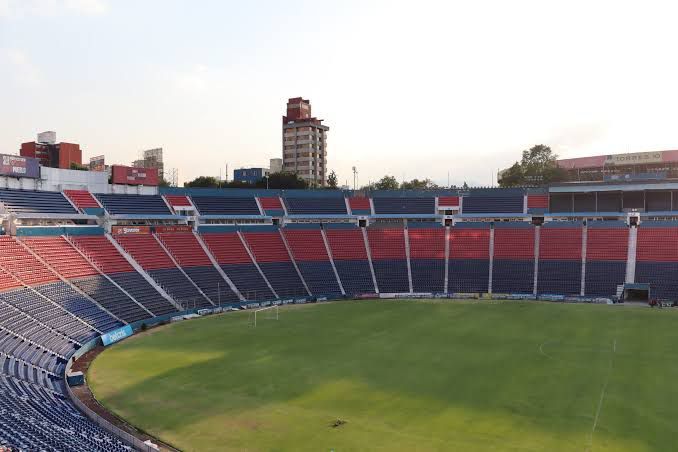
404	376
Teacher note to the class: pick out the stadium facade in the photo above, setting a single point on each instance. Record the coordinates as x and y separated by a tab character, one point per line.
84	263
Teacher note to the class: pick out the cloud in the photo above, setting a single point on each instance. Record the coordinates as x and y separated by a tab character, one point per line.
21	68
193	80
49	8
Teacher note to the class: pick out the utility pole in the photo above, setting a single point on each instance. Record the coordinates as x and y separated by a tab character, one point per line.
355	175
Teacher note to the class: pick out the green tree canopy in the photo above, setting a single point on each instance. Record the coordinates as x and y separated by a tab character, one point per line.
203	182
282	180
332	180
416	184
386	183
537	166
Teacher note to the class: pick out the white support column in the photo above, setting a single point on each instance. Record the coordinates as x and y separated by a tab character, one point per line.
95	267
406	238
584	239
447	257
329	255
216	265
169	254
631	255
139	269
489	279
255	263
369	259
537	239
67	282
348	206
261	209
296	267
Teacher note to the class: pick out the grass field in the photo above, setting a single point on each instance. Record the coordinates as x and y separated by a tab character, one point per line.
406	376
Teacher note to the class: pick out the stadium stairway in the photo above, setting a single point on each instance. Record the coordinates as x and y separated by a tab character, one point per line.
389	257
67	261
347	248
149	253
197	264
102	253
307	246
236	261
273	257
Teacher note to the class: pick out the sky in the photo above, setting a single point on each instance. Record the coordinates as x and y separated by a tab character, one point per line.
426	89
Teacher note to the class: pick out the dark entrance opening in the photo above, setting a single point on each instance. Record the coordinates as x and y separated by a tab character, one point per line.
636	293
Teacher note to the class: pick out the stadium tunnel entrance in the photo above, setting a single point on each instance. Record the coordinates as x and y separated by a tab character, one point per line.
636	293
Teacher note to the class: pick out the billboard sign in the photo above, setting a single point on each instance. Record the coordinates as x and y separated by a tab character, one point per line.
16	166
116	335
130	229
97	163
634	158
169	229
129	175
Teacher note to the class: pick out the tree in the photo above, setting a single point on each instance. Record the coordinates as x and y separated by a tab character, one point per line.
332	180
416	184
203	182
78	167
386	183
282	180
465	186
538	166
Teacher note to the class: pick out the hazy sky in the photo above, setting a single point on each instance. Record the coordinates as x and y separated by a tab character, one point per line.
413	89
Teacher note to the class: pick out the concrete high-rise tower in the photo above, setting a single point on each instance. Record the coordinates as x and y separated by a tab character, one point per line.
304	143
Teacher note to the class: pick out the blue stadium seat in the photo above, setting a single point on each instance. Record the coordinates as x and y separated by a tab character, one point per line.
428	275
388	205
316	206
223	205
391	275
319	277
26	201
355	276
134	204
248	280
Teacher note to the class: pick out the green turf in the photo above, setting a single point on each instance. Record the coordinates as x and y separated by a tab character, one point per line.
406	376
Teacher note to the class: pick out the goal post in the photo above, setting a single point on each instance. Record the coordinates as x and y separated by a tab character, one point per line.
267	313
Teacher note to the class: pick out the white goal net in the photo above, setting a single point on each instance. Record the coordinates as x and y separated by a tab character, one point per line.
267	313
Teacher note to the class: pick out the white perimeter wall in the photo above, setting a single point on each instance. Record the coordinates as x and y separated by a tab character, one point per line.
55	179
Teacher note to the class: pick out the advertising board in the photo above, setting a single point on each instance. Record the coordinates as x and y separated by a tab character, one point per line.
130	229
16	166
128	175
116	335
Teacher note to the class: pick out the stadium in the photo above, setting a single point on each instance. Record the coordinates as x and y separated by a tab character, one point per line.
238	319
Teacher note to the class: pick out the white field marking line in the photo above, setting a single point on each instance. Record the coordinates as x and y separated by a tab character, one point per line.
602	395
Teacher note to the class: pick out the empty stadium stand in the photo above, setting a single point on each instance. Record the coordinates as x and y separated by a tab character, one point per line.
67	261
316	206
272	257
146	250
389	259
487	204
606	253
560	258
134	204
32	202
190	255
82	199
657	258
427	257
271	206
308	249
403	205
469	260
230	253
360	205
350	258
223	205
513	264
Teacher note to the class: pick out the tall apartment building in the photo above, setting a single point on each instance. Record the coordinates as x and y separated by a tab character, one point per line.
304	143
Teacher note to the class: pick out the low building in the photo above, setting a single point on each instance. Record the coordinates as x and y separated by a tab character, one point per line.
249	175
50	153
